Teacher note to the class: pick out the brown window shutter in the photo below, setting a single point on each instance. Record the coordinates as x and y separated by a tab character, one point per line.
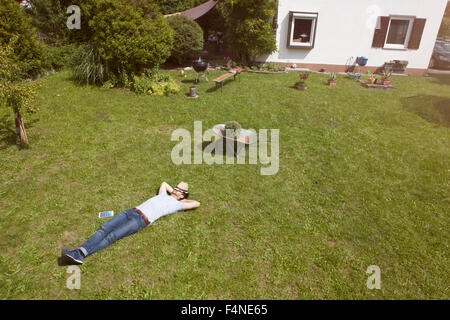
288	43
379	36
416	33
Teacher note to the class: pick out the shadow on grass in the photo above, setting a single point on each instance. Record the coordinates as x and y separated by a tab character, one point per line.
8	136
213	89
299	90
61	262
431	108
219	147
219	86
441	79
191	81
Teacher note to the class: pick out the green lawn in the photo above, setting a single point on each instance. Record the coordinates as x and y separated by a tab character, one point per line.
363	180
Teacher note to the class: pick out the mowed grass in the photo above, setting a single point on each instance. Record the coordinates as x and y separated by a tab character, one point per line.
363	180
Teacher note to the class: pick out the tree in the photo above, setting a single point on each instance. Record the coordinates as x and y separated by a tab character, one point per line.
253	37
14	23
49	17
250	27
188	37
172	6
14	93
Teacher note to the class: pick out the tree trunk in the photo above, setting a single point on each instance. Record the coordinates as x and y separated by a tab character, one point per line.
20	128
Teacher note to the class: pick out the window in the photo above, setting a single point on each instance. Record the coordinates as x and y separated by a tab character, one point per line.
399	32
302	30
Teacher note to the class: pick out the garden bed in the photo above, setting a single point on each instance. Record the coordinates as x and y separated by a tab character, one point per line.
377	86
267	72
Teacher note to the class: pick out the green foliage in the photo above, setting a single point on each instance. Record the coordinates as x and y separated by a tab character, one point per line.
88	66
56	58
188	37
108	84
123	41
386	74
155	84
172	6
253	37
232	128
14	23
49	17
273	67
244	9
14	93
121	38
250	27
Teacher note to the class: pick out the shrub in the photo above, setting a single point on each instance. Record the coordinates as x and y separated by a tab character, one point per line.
88	67
57	58
125	41
27	52
188	37
253	37
232	128
49	18
122	38
14	93
250	30
333	76
273	67
154	84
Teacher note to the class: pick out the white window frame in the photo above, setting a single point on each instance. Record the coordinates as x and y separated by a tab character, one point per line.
403	46
303	16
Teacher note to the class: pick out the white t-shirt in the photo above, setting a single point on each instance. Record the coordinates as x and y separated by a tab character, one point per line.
159	206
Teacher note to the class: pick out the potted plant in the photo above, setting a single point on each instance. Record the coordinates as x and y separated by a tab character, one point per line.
332	80
301	85
371	79
386	77
232	129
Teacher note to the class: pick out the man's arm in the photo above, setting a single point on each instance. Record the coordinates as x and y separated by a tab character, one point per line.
165	187
190	204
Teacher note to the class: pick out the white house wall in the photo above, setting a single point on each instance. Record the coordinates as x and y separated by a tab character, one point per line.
345	29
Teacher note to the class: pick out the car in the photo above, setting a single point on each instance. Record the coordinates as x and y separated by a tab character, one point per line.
441	55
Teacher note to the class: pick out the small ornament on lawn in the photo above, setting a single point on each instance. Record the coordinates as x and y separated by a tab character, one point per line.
301	85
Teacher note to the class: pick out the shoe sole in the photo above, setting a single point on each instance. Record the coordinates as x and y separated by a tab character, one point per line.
69	258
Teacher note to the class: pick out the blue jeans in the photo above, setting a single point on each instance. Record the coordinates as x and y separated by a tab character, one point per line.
122	225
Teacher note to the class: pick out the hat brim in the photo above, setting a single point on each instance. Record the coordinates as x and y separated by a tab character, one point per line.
180	189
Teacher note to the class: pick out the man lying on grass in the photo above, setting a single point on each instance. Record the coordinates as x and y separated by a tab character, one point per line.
132	220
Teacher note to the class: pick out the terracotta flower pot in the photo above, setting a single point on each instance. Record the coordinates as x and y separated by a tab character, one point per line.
386	82
332	83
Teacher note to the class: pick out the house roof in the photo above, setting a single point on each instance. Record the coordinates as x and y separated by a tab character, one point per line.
198	11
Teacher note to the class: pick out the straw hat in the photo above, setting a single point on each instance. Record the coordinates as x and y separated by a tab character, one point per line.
183	187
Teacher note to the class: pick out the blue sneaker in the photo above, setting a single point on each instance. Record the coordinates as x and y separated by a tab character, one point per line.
72	257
